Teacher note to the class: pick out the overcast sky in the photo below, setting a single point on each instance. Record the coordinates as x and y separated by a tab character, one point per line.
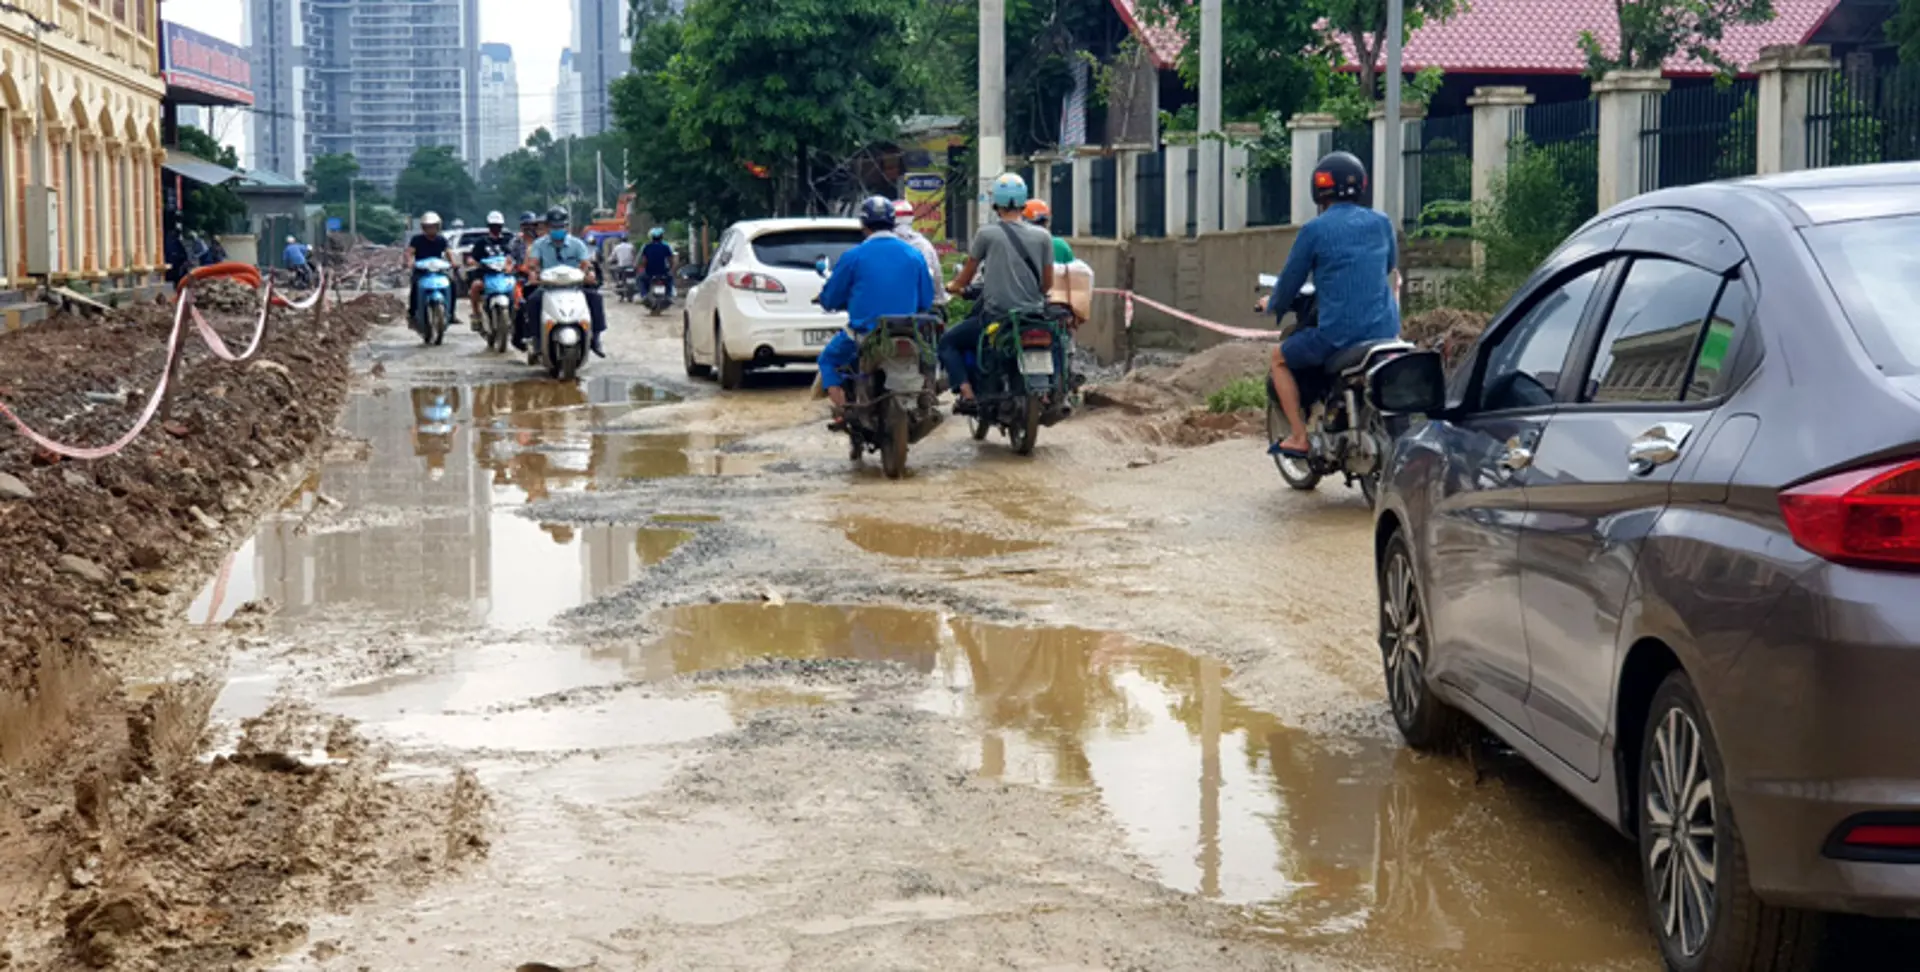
536	31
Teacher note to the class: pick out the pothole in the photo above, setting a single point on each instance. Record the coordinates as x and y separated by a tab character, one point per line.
909	540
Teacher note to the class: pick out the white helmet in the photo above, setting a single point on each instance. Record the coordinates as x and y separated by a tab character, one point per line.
495	219
291	240
430	219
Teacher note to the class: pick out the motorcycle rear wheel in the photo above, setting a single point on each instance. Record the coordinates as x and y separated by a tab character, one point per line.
1024	433
1298	473
893	444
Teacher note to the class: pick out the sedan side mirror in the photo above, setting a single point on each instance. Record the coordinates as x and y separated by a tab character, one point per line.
1414	383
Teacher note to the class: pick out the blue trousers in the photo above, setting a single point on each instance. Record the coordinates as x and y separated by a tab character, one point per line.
839	355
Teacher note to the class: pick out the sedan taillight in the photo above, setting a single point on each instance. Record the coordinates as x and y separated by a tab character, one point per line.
759	283
1868	517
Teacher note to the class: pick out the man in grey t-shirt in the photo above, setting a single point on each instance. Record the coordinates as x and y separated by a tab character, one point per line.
1018	258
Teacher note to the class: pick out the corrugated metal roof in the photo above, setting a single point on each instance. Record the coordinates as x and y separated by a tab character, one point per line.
198	169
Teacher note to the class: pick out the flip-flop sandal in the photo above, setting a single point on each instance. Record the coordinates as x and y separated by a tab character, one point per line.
1276	450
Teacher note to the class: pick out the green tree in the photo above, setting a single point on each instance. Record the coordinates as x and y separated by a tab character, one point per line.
1363	24
335	178
1265	64
211	210
1652	31
435	179
668	179
776	85
1903	31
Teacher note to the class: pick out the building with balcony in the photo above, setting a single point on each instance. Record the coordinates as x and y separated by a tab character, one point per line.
499	102
80	141
371	77
602	51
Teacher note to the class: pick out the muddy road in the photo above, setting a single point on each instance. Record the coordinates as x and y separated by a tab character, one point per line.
736	703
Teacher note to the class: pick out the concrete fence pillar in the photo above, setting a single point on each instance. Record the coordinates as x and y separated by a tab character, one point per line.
1126	178
1629	104
1312	138
1383	195
1083	195
1236	194
1179	157
1043	179
1498	121
1785	99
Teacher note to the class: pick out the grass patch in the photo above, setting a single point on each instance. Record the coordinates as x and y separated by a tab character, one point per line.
1241	393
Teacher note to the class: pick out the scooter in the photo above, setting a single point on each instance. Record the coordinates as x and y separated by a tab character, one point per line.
656	300
435	303
501	291
565	323
1016	387
893	391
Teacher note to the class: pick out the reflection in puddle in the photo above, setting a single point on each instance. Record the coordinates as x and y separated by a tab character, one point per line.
1355	843
891	539
428	527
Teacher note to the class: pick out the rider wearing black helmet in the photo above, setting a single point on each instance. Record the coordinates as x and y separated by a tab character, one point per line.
1350	251
561	248
882	277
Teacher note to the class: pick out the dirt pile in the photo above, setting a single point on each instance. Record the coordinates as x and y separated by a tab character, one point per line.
1448	331
1166	404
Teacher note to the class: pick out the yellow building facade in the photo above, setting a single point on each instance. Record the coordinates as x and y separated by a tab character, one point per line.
85	95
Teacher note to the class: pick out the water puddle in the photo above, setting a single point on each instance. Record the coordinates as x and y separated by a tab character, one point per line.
1355	844
910	540
425	525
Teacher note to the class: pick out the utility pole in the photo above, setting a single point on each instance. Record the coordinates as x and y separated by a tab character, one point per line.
353	208
1390	181
991	153
1208	184
566	154
599	182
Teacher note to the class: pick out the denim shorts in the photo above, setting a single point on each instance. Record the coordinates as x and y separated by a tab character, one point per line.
1307	348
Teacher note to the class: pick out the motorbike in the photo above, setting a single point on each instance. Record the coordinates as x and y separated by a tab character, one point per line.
893	393
565	323
1346	435
435	303
625	284
656	300
499	290
1015	387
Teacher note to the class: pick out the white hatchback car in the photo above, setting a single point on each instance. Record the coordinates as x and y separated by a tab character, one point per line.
756	309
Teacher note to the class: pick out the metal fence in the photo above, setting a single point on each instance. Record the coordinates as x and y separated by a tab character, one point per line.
1438	165
1150	191
1193	193
1106	214
1862	116
1270	196
1697	134
1359	141
1567	132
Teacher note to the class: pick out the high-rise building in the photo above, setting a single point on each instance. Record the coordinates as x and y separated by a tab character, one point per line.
372	77
602	51
566	98
499	102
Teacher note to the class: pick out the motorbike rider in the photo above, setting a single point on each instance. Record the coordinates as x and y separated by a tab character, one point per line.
495	243
427	244
903	227
1040	214
295	257
1018	259
1351	253
656	260
882	277
561	248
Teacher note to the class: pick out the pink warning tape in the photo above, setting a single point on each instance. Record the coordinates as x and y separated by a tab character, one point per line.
1248	333
183	308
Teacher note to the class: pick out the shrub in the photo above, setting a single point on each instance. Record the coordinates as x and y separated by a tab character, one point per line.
1533	208
1241	393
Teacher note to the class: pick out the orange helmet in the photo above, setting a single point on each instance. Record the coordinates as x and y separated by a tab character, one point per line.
1037	211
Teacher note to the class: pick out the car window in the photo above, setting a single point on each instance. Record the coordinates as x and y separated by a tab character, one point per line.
1524	363
1731	312
1653	333
798	249
1874	267
725	255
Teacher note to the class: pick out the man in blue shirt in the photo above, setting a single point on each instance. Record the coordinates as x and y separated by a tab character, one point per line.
1350	251
656	261
882	277
561	248
295	257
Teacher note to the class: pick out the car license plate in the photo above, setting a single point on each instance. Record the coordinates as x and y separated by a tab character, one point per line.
818	337
1036	362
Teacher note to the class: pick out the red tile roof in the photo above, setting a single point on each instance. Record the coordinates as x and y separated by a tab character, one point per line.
1162	43
1542	36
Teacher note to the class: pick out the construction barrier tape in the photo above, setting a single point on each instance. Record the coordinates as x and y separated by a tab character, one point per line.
183	309
1247	333
319	292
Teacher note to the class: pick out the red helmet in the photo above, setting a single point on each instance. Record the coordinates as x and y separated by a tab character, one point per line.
903	209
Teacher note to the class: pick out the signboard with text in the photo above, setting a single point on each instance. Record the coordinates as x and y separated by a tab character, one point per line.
195	62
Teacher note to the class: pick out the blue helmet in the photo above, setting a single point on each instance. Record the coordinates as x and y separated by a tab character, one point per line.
1009	191
876	213
657	233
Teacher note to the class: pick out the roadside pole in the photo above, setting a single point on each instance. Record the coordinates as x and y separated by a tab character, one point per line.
991	153
1390	177
1208	184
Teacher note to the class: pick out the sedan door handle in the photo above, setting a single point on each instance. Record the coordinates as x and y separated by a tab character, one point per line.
1657	446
